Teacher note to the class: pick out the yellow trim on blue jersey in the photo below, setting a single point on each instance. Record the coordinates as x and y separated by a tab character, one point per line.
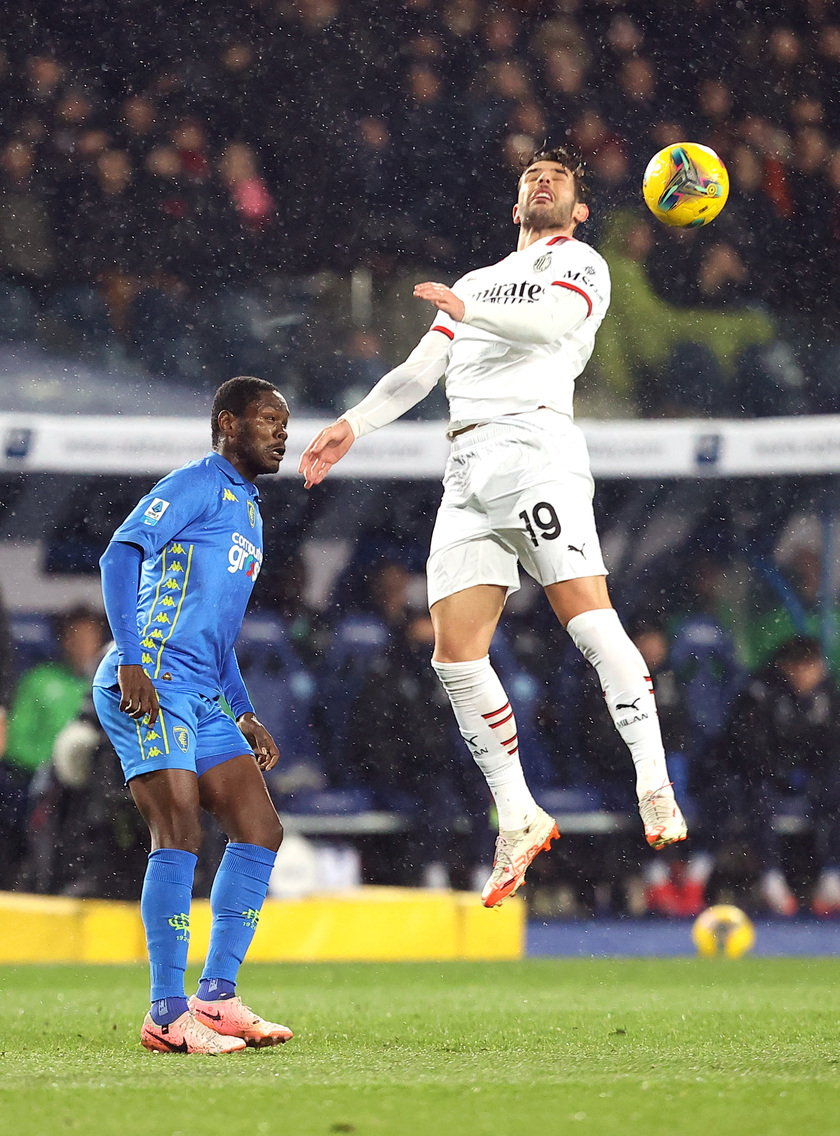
163	731
163	571
151	736
177	612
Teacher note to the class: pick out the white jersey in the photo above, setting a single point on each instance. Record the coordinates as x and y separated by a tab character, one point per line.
527	333
490	374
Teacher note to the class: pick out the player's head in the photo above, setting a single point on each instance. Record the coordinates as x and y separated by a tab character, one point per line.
81	632
552	190
248	425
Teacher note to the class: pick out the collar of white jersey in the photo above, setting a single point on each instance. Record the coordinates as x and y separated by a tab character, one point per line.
232	473
559	239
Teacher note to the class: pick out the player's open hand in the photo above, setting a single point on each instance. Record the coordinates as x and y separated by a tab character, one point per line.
260	740
443	298
138	697
325	449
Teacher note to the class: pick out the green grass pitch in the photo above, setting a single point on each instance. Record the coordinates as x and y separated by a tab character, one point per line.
631	1047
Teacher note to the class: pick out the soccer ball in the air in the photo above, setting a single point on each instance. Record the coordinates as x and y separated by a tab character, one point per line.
685	185
723	930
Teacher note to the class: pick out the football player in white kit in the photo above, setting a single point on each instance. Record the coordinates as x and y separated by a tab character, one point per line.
510	340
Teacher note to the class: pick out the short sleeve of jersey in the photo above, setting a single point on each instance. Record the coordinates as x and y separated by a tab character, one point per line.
177	500
579	267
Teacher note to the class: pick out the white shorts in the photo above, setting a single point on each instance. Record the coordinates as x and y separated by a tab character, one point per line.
516	491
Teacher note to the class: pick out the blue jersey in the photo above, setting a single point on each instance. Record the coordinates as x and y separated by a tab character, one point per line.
200	530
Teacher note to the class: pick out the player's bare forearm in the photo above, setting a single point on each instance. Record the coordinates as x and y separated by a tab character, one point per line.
138	695
325	449
260	740
443	298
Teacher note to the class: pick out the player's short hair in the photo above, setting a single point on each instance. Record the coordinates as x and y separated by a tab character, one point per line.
568	156
236	395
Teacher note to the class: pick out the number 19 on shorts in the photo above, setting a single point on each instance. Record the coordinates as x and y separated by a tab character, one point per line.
542	523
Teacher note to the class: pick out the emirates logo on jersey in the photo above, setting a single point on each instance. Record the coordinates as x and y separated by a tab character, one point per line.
522	293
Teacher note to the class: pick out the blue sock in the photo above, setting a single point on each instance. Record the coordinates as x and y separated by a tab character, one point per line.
215	989
165	910
167	1010
236	899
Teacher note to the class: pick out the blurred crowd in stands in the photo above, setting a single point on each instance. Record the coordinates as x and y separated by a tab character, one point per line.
179	187
371	760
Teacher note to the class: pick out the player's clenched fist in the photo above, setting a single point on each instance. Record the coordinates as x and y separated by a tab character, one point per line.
138	697
325	449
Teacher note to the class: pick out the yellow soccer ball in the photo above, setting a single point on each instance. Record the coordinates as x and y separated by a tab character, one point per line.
723	930
685	185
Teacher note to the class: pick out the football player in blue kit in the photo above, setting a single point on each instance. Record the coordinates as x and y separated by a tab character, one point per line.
176	579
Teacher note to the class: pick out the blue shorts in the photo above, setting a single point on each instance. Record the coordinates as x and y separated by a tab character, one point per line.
192	732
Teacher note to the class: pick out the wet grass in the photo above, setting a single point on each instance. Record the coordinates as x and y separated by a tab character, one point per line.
457	1049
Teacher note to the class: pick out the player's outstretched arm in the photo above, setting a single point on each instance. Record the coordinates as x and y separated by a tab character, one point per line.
393	395
260	740
325	449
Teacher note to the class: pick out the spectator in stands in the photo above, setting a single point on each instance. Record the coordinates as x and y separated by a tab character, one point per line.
109	240
249	199
425	130
400	746
48	696
801	614
139	129
240	75
753	222
637	353
27	242
389	581
781	746
188	226
165	207
73	119
498	89
281	590
827	63
566	92
86	837
476	77
43	76
353	372
634	106
189	137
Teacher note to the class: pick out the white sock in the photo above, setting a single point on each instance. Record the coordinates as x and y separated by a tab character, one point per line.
625	681
485	719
